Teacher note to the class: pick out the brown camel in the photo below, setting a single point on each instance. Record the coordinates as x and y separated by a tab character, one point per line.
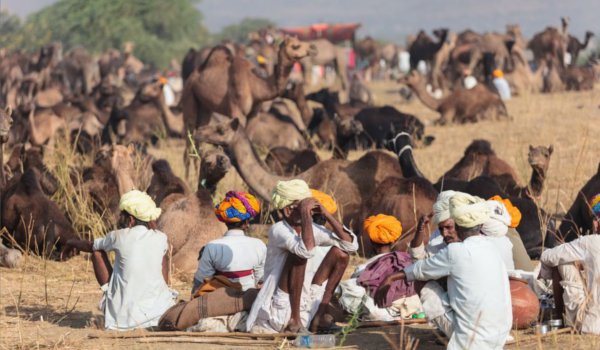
407	198
522	80
214	166
326	53
6	122
273	129
582	78
165	187
574	46
35	222
286	162
350	182
462	105
43	126
190	223
423	48
578	220
549	43
480	159
229	85
32	157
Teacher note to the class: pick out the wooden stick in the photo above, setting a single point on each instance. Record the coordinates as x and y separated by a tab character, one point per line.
371	324
207	341
190	334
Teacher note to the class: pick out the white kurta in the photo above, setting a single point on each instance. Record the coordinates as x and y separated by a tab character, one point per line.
283	240
234	252
137	294
478	292
587	250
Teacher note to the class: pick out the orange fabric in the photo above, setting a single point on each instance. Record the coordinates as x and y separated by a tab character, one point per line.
237	207
514	212
383	229
498	73
326	201
214	283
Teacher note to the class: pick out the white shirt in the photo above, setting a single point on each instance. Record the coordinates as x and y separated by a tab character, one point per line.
234	252
504	247
587	250
478	291
435	244
137	294
284	240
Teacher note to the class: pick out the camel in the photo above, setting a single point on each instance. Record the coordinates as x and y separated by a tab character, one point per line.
350	182
480	159
286	162
440	61
274	129
34	221
574	46
578	220
43	126
6	122
32	157
407	198
228	85
521	79
549	44
359	92
582	78
147	116
462	105
214	166
165	187
326	53
424	49
190	223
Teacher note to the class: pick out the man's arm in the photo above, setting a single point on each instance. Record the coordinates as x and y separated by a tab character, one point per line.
307	206
205	268
432	268
417	240
564	253
338	228
76	245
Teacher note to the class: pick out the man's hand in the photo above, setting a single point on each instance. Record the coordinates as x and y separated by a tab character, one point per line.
383	290
310	206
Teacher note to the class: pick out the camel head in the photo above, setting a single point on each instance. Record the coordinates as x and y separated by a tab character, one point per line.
539	157
348	127
121	158
6	122
220	134
151	90
412	79
589	35
294	49
214	166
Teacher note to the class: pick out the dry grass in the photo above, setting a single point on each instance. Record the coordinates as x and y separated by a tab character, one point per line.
46	304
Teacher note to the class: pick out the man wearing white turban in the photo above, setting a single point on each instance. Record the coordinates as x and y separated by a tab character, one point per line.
135	291
294	297
496	228
478	299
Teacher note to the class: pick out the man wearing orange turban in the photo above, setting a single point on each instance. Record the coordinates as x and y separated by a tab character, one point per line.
383	229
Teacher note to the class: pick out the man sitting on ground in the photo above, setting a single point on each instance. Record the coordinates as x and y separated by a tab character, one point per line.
135	291
229	271
582	306
478	302
293	297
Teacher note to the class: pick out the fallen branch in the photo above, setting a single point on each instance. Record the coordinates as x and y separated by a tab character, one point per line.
190	334
232	342
372	324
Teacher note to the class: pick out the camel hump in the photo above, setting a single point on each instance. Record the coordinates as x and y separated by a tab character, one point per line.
217	55
30	182
480	147
162	170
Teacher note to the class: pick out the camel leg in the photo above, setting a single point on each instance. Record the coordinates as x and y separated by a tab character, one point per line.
291	282
331	271
340	69
102	267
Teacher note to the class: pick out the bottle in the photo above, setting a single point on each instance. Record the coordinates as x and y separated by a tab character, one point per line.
315	341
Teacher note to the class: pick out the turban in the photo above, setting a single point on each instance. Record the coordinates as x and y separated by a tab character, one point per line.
140	205
325	200
287	192
498	73
595	205
468	211
441	207
237	207
514	212
497	225
383	229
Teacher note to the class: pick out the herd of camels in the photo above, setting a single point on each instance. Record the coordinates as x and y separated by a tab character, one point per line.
263	123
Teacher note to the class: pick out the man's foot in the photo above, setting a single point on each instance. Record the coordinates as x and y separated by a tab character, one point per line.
324	324
295	327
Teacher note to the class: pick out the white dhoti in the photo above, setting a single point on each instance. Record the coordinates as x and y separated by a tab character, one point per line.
274	317
437	308
574	293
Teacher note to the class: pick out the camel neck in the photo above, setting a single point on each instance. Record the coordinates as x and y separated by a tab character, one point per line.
249	167
171	122
124	180
35	135
424	96
407	162
536	183
274	85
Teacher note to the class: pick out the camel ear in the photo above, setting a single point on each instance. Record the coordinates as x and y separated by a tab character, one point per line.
550	149
235	124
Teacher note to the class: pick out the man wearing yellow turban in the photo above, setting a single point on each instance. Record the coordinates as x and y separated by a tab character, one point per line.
291	292
135	290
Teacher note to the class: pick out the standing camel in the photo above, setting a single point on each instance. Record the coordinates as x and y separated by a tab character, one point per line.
327	53
229	84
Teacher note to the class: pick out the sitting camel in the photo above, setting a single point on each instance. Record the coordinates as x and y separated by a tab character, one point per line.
35	222
165	187
480	159
286	162
462	105
350	182
229	84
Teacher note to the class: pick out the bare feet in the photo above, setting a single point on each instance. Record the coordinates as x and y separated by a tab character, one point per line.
294	326
321	322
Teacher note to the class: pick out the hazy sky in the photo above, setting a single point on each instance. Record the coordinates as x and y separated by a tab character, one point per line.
391	19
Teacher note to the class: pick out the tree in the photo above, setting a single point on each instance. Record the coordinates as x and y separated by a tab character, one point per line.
239	32
9	25
160	29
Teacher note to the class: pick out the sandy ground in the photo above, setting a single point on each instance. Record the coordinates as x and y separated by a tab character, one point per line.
46	304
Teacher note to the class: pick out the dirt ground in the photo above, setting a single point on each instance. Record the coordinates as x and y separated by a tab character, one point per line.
46	304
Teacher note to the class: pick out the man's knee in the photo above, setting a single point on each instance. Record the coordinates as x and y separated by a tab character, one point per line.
341	256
